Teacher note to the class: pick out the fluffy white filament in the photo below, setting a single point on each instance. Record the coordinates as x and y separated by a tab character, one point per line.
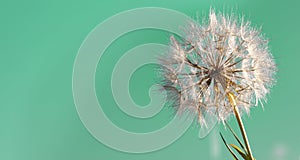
219	56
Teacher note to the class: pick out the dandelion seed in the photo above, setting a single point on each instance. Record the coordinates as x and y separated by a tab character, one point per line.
219	56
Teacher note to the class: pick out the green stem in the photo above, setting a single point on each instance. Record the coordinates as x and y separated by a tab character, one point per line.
240	123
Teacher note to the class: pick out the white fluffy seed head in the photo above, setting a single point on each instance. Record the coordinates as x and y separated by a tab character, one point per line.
219	56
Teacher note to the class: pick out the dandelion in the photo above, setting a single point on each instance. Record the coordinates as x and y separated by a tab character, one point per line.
220	67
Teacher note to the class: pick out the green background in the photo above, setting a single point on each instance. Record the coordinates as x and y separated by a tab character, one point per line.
39	43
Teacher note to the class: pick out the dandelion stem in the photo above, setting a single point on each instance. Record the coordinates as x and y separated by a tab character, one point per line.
232	101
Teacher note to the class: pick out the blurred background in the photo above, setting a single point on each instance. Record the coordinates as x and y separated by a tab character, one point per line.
40	41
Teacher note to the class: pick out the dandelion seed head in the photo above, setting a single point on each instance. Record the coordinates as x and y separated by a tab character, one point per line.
221	55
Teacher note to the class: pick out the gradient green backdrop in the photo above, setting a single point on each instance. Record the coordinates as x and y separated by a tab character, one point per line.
39	43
